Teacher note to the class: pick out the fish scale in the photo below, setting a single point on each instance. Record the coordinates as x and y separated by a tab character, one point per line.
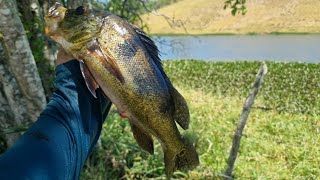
123	61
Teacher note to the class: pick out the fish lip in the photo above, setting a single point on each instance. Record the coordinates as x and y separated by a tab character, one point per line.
55	15
54	8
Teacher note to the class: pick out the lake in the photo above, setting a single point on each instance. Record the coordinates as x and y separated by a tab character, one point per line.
290	48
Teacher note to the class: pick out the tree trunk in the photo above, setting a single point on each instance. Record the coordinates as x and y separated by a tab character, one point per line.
44	50
50	47
22	96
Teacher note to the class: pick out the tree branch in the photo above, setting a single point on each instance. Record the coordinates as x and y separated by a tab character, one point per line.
243	120
171	21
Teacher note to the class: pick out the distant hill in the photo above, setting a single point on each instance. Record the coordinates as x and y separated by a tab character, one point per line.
263	16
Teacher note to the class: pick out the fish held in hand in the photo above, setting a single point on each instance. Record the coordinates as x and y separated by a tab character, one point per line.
123	61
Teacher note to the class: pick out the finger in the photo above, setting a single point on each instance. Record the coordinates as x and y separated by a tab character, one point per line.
63	56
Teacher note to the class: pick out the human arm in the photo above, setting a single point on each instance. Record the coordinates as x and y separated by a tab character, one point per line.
58	143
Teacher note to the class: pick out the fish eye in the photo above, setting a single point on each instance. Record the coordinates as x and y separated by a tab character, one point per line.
80	10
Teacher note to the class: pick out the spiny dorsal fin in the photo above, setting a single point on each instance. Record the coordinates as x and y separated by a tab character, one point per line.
152	50
181	112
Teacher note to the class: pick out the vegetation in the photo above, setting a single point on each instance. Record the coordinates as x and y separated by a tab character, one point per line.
209	17
282	139
237	6
161	3
278	143
289	87
127	9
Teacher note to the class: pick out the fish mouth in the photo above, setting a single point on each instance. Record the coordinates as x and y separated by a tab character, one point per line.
55	10
55	15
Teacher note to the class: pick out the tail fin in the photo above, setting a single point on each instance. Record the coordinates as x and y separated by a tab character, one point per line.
185	158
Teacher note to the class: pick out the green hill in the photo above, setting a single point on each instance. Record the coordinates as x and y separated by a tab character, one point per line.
209	17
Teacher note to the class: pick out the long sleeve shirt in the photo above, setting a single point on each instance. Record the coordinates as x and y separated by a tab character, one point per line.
57	145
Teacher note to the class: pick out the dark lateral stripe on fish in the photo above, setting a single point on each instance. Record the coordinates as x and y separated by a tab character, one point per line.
127	50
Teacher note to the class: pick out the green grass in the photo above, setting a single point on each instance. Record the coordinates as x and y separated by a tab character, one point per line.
288	87
200	34
280	143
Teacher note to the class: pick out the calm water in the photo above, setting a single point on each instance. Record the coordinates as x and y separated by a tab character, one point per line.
298	48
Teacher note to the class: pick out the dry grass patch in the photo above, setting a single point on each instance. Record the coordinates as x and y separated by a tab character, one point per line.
263	16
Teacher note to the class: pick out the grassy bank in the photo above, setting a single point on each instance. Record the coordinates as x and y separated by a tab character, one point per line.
263	17
282	142
288	87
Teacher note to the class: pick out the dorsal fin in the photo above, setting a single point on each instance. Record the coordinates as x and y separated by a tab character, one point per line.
181	112
152	50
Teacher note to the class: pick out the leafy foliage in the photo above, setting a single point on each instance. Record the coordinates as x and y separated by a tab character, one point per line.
236	6
288	87
130	10
127	9
161	3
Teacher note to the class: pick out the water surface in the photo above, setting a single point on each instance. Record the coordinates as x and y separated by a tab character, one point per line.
291	48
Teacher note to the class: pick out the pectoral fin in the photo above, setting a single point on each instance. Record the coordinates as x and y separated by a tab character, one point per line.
106	59
88	78
181	113
142	137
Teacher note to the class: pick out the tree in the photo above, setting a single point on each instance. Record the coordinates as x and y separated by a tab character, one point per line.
236	6
21	93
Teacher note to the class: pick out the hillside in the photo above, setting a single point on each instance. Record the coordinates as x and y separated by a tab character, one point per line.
263	16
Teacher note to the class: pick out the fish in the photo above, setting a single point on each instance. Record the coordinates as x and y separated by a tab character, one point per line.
121	60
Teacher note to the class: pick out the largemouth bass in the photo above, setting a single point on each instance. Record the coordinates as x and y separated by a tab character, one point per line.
123	61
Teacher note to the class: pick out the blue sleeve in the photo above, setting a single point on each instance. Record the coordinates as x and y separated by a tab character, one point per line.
59	142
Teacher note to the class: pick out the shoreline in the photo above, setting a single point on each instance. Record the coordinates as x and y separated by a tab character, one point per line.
234	34
241	61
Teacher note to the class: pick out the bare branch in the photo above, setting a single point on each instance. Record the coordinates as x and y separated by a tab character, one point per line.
243	120
173	23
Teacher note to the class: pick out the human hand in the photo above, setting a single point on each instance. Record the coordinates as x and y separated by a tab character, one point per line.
63	57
